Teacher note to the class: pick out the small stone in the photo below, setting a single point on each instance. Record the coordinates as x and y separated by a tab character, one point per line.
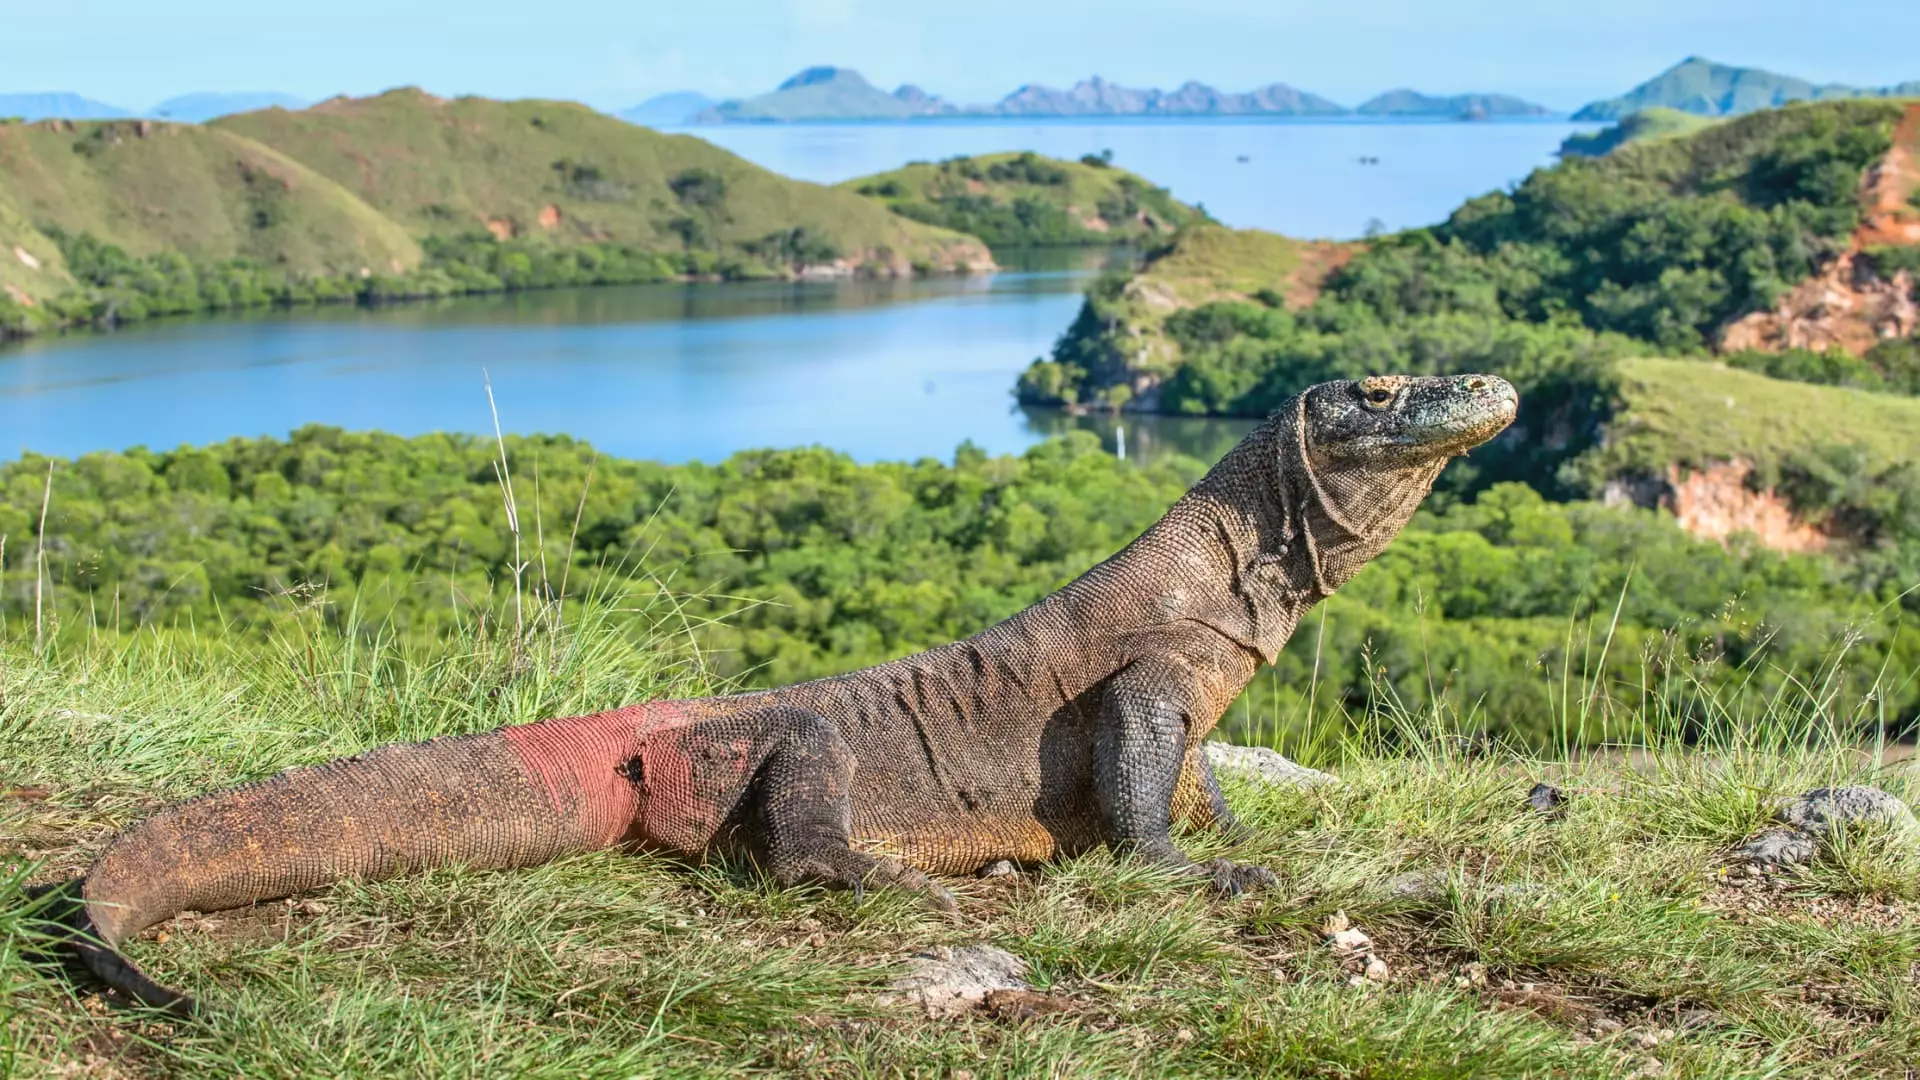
1375	970
999	868
1546	799
1356	980
1184	1035
948	981
1645	1040
963	1074
1607	1025
1779	847
818	941
1263	764
1351	941
1417	885
1475	973
312	907
1335	923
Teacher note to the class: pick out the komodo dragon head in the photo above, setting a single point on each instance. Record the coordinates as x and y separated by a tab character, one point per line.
1359	455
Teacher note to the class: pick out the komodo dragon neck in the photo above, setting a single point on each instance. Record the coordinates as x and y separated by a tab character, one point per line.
1245	552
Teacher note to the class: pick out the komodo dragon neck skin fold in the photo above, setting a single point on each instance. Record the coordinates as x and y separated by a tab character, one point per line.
1074	723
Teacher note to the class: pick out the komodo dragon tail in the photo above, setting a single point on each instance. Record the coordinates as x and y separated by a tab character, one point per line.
518	796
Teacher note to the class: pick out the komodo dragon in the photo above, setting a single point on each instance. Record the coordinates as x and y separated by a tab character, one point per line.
1075	722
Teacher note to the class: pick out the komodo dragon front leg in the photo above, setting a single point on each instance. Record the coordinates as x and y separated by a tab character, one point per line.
1153	713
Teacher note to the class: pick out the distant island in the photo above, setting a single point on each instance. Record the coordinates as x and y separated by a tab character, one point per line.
1704	88
825	94
667	109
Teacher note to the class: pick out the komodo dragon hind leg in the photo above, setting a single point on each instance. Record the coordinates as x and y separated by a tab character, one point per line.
806	812
1139	756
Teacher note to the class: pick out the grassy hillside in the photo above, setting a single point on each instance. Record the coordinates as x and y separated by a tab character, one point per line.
1024	200
1691	413
151	187
562	174
1118	352
31	266
1658	122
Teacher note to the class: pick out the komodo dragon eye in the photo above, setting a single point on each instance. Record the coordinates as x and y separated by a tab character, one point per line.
1375	395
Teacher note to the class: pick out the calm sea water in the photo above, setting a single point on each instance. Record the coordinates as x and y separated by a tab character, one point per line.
1299	178
880	370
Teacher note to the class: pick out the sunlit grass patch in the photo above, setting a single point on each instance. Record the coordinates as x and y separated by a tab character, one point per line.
1603	938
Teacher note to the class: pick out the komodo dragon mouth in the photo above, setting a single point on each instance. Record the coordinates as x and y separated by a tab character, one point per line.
1074	723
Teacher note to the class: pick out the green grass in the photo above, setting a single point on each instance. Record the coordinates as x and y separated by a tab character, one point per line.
1625	948
562	173
1691	413
210	194
1023	199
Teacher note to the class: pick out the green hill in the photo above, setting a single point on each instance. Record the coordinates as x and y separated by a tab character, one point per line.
1652	249
1658	122
1024	200
562	174
152	187
31	267
1705	88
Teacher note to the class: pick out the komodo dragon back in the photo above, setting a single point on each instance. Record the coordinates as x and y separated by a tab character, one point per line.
1075	722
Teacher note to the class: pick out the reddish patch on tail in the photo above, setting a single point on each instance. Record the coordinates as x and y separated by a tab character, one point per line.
580	763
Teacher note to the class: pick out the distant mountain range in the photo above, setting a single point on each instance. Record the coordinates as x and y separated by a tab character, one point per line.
188	108
57	106
1704	88
199	108
835	93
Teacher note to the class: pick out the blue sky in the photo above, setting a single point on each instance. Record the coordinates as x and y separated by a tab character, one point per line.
612	53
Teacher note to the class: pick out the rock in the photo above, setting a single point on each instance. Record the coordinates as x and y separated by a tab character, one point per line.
1819	811
1263	764
1546	799
948	981
1375	969
1814	818
999	868
1418	885
1779	847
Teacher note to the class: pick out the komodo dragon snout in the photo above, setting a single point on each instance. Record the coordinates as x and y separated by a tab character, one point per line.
1074	723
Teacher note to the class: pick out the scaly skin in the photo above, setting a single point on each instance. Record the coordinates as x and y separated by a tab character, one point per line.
1074	723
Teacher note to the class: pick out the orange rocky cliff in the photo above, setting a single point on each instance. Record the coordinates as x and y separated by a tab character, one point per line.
1718	503
1848	304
